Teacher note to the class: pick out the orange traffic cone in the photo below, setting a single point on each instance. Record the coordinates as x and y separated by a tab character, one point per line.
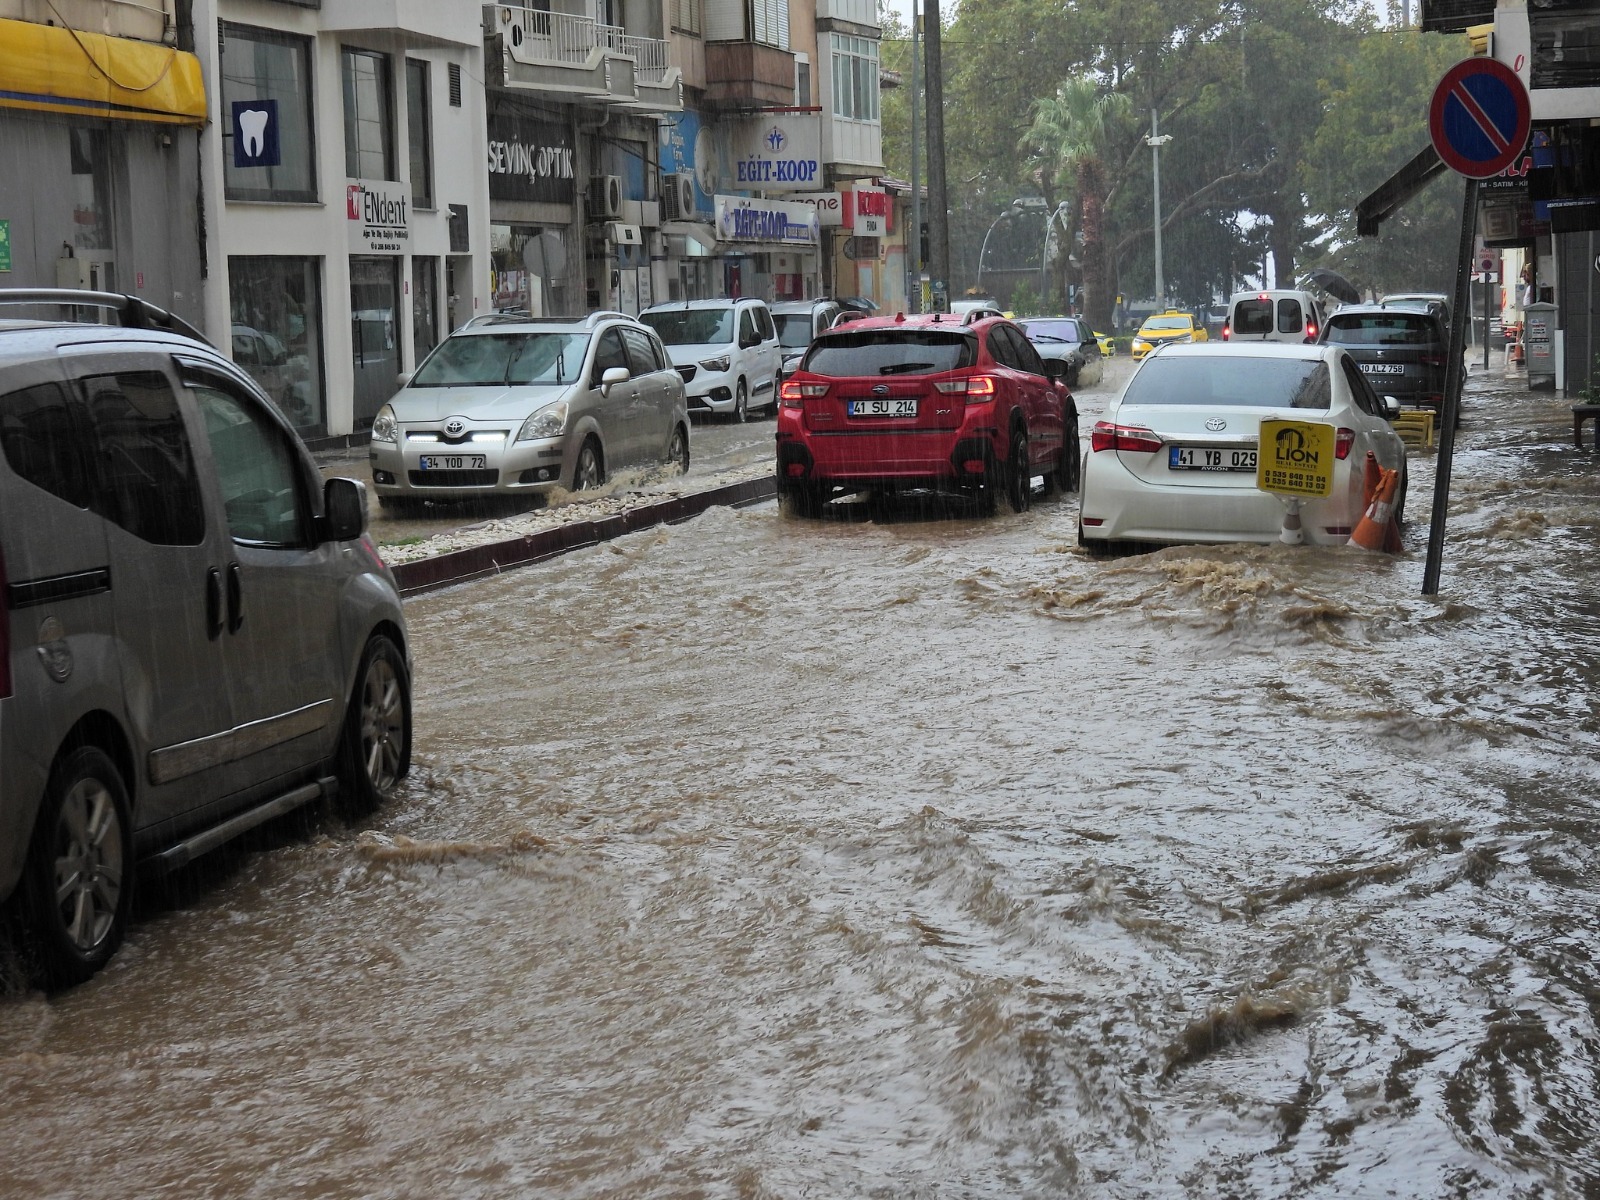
1369	484
1372	531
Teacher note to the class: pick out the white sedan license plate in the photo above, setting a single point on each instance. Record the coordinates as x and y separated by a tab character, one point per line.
884	408
453	462
1383	368
1197	458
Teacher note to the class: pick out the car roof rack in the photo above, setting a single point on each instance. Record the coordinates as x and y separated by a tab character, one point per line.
131	312
605	314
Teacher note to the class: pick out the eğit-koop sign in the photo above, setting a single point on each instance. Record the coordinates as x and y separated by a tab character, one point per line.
777	152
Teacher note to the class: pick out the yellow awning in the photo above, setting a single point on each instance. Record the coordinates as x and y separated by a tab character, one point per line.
51	69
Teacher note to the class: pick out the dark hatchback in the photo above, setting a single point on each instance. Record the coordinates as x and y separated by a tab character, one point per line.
1401	349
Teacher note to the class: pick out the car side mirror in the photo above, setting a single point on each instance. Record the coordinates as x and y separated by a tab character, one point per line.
1391	406
403	378
1056	368
613	376
344	510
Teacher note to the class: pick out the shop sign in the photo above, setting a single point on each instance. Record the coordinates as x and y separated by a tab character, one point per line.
378	216
829	206
871	212
778	152
530	159
741	219
5	245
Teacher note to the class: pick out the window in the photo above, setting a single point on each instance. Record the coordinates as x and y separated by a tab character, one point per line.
419	132
689	16
802	84
855	78
642	354
276	309
455	85
140	450
368	124
41	442
263	65
609	353
255	468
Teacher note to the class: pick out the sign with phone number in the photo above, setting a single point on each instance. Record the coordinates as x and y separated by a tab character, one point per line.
1296	458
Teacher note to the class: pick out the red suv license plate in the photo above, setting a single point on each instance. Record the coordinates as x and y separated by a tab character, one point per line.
883	408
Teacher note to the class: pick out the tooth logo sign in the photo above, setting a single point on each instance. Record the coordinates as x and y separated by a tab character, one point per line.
255	133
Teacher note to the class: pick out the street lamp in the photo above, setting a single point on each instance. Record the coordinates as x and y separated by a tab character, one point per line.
1155	141
1014	209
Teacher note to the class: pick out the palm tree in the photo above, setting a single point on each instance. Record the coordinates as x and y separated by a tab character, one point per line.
1069	134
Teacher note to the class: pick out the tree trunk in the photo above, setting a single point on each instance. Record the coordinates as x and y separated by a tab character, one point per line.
1098	292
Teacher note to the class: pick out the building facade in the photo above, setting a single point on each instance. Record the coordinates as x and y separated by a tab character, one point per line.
346	197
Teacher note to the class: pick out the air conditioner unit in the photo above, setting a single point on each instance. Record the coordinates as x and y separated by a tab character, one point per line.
605	197
677	196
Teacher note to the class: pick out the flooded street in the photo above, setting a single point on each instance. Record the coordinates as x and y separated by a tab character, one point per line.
758	858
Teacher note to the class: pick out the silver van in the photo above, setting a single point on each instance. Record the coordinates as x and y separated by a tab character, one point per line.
1273	315
196	635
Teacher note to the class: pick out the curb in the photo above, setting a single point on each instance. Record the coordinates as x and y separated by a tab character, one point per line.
477	562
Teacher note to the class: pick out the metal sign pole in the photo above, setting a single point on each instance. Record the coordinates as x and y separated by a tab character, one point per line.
1488	299
1455	370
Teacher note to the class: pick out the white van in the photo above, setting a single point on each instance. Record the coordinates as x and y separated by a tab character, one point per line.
1273	315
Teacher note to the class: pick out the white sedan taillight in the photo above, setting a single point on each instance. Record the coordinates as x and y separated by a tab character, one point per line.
1106	435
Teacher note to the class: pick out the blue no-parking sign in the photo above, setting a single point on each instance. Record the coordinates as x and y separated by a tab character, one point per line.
1479	118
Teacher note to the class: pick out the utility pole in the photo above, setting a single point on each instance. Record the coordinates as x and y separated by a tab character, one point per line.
1155	141
938	200
914	265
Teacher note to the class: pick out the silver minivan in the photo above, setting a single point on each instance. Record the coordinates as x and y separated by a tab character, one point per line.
197	635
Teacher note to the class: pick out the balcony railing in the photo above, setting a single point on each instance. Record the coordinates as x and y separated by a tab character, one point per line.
553	37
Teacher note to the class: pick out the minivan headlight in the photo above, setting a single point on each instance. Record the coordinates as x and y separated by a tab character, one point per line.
720	363
384	427
550	421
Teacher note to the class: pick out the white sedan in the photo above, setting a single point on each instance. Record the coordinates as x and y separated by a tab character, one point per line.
1174	459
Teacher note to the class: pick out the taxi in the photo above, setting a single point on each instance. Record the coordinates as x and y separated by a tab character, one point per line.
1173	325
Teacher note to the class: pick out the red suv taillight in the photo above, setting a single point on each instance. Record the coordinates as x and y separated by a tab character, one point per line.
793	395
1342	441
5	634
1109	436
977	387
1311	331
1227	330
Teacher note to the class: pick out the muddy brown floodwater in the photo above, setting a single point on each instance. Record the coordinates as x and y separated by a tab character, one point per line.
908	857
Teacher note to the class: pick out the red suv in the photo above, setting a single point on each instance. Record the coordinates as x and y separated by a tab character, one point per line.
928	402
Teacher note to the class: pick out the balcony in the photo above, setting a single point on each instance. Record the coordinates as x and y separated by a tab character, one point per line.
446	22
748	75
571	56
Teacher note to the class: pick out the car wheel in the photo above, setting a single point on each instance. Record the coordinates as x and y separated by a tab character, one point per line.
1070	466
741	403
1015	477
375	747
77	885
798	499
678	449
590	472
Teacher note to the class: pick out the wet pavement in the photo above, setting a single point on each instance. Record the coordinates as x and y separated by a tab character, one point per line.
907	857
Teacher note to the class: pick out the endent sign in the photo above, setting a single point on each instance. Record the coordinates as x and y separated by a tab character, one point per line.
1479	118
1296	458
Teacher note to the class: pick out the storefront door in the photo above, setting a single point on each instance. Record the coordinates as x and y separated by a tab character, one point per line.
424	306
374	333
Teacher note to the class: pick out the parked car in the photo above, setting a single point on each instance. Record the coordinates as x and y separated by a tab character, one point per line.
924	403
799	321
1275	315
1174	458
1108	344
726	350
1401	349
1161	328
1070	340
197	636
510	405
1435	302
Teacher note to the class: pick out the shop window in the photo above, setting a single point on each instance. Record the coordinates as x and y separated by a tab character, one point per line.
276	306
419	132
90	152
262	65
368	114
